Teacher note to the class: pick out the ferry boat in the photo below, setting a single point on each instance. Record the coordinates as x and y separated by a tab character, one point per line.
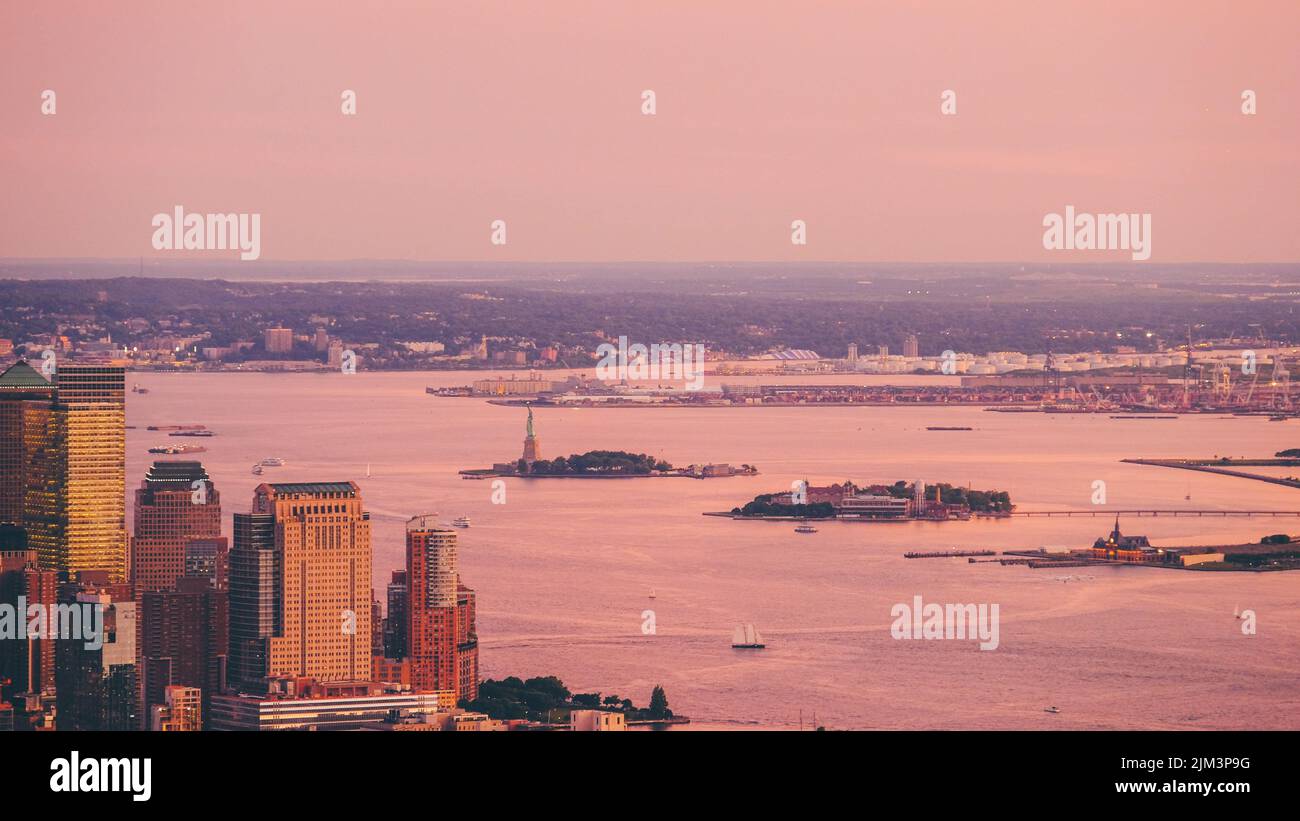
137	389
746	637
1052	709
805	529
461	521
273	462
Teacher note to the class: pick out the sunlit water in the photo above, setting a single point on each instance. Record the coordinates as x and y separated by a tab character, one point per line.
564	569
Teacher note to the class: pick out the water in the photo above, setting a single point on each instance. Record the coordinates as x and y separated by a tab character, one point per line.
564	569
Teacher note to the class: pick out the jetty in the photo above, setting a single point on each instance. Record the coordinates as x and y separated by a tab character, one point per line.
946	554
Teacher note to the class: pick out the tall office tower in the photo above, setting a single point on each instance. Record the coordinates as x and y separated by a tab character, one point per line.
312	592
254	585
26	660
95	675
181	711
376	626
431	604
185	640
853	353
278	340
74	508
321	340
466	644
26	428
175	503
883	351
395	624
911	346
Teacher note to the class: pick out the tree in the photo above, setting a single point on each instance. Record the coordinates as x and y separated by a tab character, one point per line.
659	703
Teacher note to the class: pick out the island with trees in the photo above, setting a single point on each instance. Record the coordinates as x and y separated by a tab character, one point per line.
606	464
547	701
897	501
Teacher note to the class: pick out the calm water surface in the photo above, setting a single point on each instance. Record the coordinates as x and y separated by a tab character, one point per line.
564	569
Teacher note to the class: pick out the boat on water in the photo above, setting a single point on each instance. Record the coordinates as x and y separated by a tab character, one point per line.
273	462
745	637
137	389
460	521
178	449
805	529
1052	709
197	433
257	469
946	427
652	593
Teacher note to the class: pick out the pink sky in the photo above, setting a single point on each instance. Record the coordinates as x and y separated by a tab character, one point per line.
767	112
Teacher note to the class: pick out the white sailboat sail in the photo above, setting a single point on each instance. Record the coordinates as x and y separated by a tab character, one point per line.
738	637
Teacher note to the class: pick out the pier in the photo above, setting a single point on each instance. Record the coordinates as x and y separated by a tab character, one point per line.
945	554
1204	468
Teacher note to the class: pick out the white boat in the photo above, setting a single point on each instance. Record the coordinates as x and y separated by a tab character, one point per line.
652	592
1052	709
257	470
805	529
462	521
273	461
746	637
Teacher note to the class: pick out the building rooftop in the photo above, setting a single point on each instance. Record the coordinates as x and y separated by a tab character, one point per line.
20	375
178	472
312	487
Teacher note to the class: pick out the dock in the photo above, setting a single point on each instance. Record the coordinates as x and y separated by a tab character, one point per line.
946	554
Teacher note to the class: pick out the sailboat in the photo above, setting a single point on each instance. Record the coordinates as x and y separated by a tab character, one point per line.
652	593
367	470
1236	612
746	637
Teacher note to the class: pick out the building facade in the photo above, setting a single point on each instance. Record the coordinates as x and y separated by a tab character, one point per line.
175	504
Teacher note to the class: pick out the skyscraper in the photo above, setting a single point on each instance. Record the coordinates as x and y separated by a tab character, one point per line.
97	681
185	640
431	604
26	414
26	662
175	504
441	636
63	464
300	584
255	604
395	623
